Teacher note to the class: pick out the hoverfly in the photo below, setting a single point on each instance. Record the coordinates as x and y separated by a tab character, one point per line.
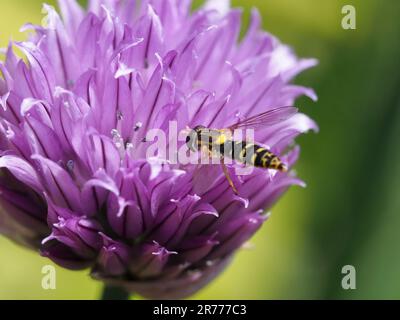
220	142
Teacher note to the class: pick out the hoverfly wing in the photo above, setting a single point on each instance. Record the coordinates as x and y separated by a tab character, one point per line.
268	118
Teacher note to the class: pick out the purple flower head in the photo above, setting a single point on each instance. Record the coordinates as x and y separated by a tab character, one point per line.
75	181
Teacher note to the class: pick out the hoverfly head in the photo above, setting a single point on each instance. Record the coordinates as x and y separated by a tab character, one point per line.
193	138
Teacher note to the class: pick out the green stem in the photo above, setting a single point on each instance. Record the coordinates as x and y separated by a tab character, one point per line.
114	293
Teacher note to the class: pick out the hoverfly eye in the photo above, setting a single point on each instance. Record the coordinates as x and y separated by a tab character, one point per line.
191	140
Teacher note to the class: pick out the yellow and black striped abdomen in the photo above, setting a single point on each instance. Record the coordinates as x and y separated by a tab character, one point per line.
217	142
249	153
255	155
266	159
261	157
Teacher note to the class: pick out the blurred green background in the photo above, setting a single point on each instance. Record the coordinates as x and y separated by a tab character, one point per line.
350	212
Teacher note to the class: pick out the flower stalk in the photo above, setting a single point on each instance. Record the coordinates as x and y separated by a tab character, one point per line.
115	293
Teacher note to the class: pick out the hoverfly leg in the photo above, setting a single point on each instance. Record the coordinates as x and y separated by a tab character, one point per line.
228	177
